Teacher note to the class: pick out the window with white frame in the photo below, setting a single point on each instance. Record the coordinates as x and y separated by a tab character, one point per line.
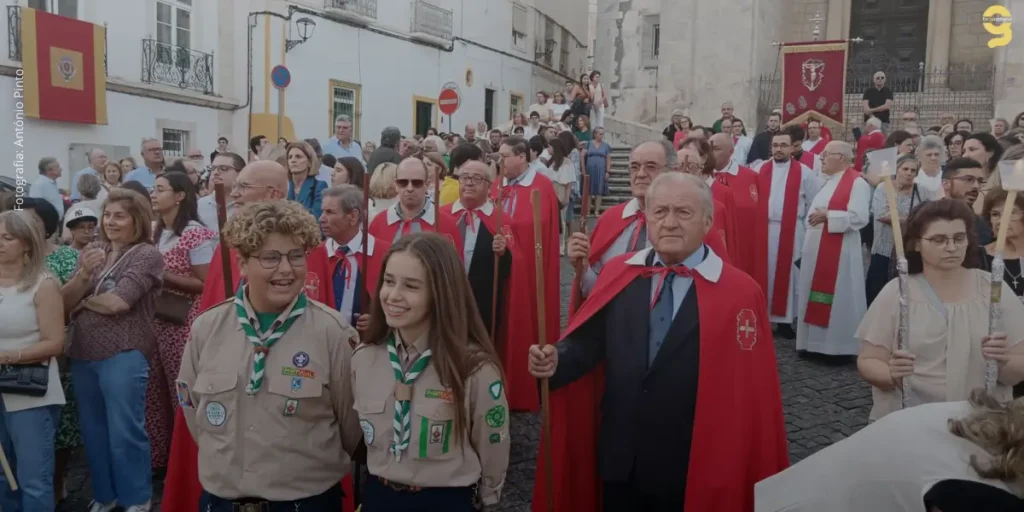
174	142
345	101
68	8
651	40
174	23
519	27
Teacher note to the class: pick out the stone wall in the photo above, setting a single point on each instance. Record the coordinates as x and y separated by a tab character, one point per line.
618	55
619	132
968	40
798	16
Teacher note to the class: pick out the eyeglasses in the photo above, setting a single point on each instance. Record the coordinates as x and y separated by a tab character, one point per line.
270	260
245	187
222	168
403	183
474	180
971	180
1015	215
958	239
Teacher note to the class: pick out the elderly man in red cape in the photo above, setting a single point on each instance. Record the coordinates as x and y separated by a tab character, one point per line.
413	213
872	139
258	181
665	388
520	180
623	227
751	240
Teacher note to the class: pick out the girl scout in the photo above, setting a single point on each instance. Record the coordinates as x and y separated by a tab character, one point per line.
264	382
428	387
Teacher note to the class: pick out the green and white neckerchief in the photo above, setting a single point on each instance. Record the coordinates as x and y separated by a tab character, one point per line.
403	416
261	342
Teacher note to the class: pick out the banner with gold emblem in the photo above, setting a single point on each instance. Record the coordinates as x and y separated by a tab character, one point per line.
814	82
64	73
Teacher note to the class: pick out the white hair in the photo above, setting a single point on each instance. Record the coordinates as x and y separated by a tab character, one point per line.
842	148
149	139
342	118
929	142
707	202
874	121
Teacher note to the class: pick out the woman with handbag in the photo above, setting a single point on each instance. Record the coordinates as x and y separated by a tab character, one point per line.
187	249
112	297
31	336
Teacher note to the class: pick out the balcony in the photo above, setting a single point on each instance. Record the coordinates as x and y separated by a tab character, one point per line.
358	12
176	66
431	24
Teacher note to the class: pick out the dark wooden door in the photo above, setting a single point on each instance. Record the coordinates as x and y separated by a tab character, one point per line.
425	117
895	34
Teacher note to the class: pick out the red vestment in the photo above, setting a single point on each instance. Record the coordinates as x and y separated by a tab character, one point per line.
830	251
181	485
751	236
521	329
724	224
386	225
819	146
787	234
739	435
807	158
615	220
866	144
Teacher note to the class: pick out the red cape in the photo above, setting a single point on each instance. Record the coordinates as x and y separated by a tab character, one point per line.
724	220
445	225
522	326
181	485
610	226
867	143
739	435
375	262
750	244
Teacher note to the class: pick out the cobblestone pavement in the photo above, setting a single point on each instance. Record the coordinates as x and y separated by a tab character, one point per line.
825	401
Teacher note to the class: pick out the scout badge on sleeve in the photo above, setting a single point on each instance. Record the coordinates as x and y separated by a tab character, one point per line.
216	414
184	395
367	431
291	406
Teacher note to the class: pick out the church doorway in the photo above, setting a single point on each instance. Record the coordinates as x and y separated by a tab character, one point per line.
895	34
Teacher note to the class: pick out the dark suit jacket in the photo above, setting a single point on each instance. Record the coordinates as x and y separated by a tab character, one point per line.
481	276
760	147
382	155
646	414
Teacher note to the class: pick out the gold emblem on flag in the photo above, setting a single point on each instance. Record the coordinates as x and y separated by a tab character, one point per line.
66	66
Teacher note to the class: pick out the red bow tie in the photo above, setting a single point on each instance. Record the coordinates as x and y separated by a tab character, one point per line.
342	254
467	218
664	272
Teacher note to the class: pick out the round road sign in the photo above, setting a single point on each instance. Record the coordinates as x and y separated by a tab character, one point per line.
280	77
448	101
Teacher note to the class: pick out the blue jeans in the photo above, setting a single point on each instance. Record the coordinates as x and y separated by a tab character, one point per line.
28	439
112	417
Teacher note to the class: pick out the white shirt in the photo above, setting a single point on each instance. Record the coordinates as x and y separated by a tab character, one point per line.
618	247
46	188
469	240
355	248
207	206
933	183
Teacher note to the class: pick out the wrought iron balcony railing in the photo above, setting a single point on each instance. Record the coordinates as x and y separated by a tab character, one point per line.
177	66
364	8
431	20
14	32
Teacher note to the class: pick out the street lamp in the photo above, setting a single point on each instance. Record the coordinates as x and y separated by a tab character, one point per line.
305	26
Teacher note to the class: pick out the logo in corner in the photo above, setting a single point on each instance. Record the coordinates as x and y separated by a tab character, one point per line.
746	329
996	20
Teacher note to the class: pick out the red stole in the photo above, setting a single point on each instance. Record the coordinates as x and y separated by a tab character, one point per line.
830	250
818	147
807	159
739	435
784	261
445	225
750	242
181	485
724	225
521	327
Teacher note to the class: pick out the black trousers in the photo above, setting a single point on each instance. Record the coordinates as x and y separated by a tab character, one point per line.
331	500
378	497
625	496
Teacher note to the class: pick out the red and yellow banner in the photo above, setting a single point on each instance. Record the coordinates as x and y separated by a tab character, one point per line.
814	82
62	59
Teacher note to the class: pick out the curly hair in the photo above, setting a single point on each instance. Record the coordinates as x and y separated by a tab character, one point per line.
248	230
998	428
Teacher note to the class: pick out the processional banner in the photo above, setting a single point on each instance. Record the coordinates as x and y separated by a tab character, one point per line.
814	82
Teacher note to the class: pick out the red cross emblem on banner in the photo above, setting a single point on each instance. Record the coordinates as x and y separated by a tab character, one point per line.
746	329
312	286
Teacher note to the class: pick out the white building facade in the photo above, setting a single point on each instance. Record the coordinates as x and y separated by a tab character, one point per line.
188	71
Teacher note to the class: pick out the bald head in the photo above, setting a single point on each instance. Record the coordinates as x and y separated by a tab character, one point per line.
836	157
478	168
412	168
262	180
722	147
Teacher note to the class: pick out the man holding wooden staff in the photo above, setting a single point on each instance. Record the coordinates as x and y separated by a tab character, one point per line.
517	226
691	412
476	218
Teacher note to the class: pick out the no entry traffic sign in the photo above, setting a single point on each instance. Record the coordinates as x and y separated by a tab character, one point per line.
280	77
448	101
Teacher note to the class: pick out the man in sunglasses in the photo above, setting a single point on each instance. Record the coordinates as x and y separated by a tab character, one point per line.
260	181
413	213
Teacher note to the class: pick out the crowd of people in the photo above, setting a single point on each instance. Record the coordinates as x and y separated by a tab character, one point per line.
360	320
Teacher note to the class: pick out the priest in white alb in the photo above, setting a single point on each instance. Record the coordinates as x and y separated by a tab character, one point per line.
831	289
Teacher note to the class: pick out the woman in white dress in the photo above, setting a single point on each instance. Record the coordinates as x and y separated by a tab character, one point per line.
599	100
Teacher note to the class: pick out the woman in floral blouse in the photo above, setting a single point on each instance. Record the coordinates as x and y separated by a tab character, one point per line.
60	261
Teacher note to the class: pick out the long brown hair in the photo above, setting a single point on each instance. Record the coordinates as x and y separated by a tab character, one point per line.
458	338
926	213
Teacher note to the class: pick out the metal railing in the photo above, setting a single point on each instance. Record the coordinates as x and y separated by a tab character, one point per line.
365	8
432	20
177	66
14	32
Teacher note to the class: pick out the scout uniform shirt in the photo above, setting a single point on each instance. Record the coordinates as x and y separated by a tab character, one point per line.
293	437
435	457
